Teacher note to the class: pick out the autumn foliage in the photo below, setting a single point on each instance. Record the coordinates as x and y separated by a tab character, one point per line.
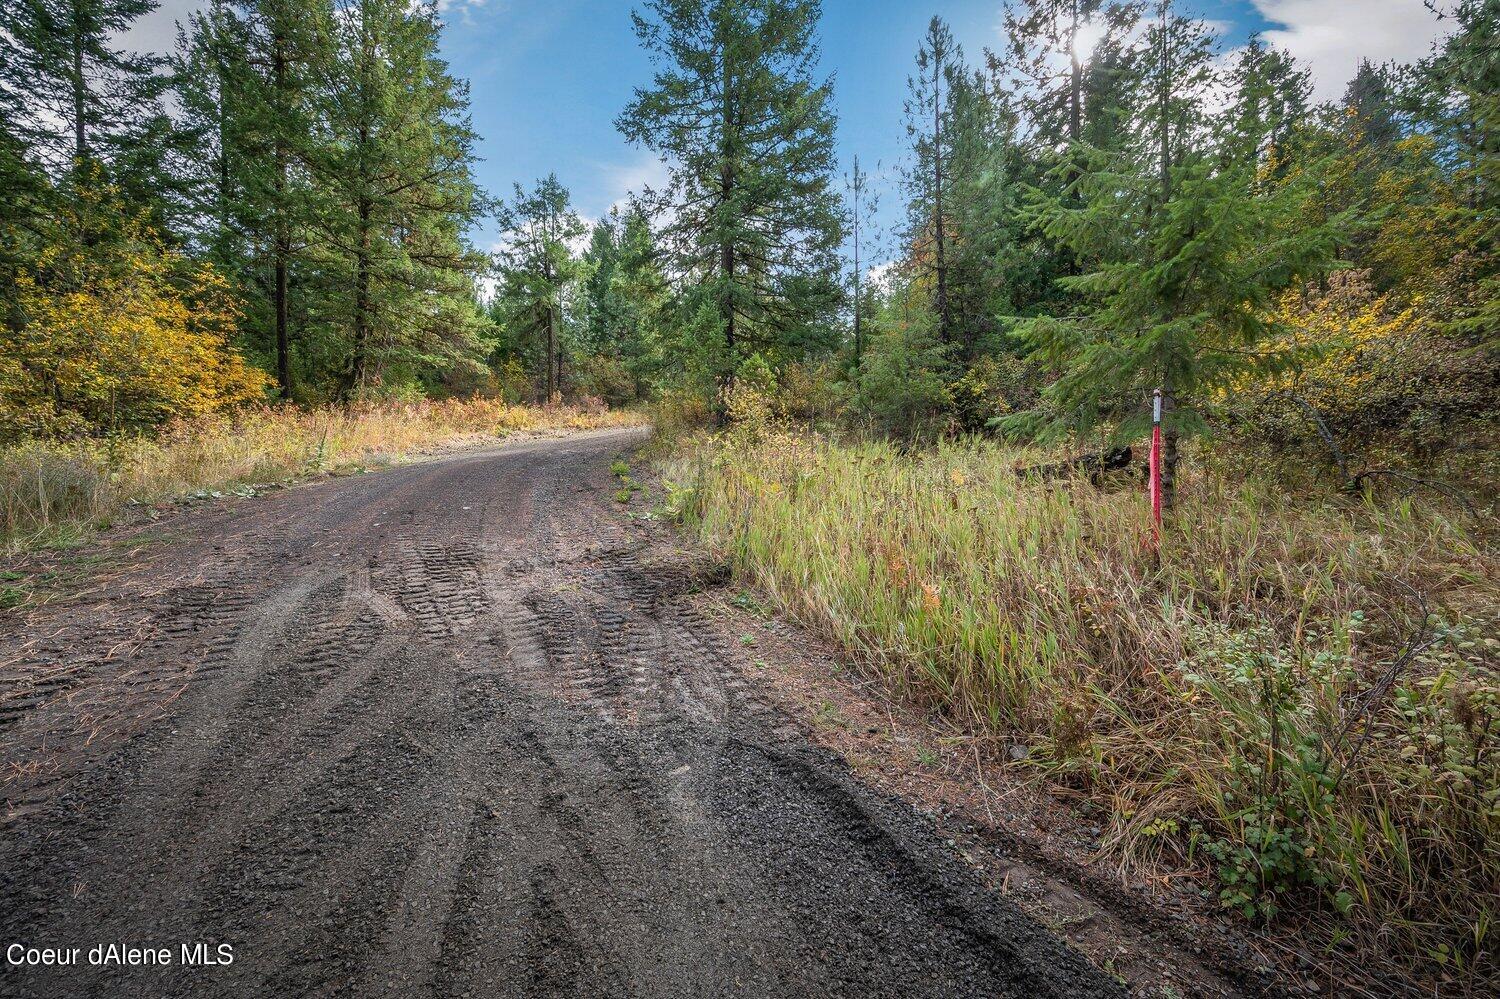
118	333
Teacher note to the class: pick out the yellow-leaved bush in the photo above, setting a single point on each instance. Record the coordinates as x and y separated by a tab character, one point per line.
1378	370
118	332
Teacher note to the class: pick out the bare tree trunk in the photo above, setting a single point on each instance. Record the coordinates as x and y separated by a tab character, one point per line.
549	334
80	86
283	346
1164	110
859	184
1169	434
551	356
360	366
1075	81
282	249
940	300
726	245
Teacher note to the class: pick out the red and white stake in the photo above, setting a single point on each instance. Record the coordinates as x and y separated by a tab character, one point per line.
1156	464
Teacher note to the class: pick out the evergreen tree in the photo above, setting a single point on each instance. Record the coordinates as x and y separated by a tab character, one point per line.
1455	94
1271	105
862	204
1370	101
750	215
928	111
622	303
245	89
81	101
392	195
26	203
985	228
1190	247
1067	75
604	309
1041	34
537	269
642	284
903	386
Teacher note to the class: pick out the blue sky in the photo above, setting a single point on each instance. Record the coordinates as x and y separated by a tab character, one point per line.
548	77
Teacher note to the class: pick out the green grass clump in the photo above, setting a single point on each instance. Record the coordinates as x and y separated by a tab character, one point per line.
1265	699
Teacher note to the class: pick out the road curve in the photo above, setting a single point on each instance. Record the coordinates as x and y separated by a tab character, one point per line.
453	729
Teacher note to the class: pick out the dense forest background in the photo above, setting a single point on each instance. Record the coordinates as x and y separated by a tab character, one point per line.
279	212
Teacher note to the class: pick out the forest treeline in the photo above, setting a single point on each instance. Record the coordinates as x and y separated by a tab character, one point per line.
281	209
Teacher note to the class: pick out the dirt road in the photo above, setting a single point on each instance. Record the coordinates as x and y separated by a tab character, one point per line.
453	729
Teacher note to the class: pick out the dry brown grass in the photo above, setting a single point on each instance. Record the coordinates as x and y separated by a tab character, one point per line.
1213	694
51	491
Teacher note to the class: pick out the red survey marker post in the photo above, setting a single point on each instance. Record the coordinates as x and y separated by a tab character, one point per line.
1155	480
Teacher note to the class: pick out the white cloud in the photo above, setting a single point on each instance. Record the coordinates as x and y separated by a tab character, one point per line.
465	9
157	31
882	277
1332	36
581	242
621	180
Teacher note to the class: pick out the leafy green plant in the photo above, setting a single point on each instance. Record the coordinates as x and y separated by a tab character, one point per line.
1278	795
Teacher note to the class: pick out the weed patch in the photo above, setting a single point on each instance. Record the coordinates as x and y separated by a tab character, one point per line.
1294	697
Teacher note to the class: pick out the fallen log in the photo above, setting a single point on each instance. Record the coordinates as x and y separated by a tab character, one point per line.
1093	465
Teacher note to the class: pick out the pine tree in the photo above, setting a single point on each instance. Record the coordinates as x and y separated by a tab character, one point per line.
749	213
862	205
26	208
1041	32
392	194
83	101
604	317
1455	94
537	269
984	221
643	286
1190	248
246	86
928	111
1371	101
1270	107
623	301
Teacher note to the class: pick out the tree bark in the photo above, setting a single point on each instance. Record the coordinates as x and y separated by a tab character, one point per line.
549	348
940	300
283	347
359	367
1164	121
282	248
1075	81
858	189
80	87
726	245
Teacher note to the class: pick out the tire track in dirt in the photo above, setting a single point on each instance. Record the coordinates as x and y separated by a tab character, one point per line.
458	729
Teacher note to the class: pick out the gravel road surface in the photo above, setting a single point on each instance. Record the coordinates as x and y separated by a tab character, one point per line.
452	729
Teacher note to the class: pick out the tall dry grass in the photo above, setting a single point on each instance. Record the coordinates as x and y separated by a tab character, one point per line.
1223	695
51	489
